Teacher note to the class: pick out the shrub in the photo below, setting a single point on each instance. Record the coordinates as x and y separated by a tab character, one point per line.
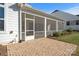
62	33
69	30
56	34
65	33
49	36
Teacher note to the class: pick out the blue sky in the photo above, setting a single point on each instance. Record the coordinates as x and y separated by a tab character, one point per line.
49	7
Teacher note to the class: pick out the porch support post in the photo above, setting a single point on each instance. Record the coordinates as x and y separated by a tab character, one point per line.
34	26
45	28
56	25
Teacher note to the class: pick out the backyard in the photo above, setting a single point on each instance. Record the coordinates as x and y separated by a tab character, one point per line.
71	38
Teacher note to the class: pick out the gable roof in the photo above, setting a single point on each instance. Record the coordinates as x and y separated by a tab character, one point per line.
31	10
64	16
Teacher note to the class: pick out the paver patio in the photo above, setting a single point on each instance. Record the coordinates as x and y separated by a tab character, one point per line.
41	47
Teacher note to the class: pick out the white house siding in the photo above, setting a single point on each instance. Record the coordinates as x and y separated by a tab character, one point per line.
67	17
73	27
3	37
11	23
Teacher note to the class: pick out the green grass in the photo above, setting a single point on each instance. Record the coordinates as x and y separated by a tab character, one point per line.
71	38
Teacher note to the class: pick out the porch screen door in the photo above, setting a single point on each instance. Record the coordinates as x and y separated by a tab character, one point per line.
29	29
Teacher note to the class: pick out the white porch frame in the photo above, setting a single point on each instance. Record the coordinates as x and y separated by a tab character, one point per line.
45	18
45	27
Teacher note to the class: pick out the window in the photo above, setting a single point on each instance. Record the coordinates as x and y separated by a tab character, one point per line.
77	22
1	12
68	23
1	18
1	3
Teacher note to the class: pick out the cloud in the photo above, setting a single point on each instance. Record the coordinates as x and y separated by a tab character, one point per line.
73	10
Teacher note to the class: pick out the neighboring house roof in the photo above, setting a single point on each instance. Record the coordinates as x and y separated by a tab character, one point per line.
64	16
31	10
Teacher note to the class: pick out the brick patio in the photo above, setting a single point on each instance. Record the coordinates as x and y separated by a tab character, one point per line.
41	47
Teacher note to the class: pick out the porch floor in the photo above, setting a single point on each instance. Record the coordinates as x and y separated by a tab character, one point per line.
41	47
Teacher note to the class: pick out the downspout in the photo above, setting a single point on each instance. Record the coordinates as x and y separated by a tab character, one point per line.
19	24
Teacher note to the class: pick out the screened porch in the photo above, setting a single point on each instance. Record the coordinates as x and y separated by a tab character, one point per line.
34	26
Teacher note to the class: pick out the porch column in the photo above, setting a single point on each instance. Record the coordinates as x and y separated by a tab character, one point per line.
56	25
34	26
45	28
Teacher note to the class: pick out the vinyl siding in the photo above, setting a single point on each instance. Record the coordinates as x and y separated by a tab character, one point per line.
11	23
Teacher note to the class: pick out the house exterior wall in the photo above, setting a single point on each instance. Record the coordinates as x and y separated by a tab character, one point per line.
13	26
73	27
10	23
67	17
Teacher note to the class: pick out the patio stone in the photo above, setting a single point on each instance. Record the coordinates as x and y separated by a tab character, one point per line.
41	47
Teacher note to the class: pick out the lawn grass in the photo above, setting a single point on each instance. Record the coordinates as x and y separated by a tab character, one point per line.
71	38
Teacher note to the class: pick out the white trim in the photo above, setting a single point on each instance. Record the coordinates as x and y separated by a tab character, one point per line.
29	19
39	16
45	27
34	27
25	26
29	30
2	5
1	18
5	16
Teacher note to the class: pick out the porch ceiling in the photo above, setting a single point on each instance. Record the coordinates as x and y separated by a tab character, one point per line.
31	10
